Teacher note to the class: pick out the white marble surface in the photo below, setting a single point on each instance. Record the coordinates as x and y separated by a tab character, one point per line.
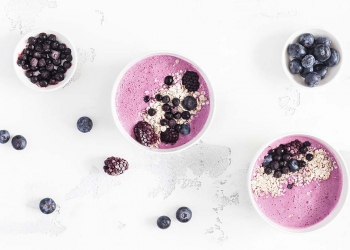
238	44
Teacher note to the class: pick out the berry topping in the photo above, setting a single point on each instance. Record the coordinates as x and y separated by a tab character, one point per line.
4	136
285	170
189	103
151	112
145	134
303	150
168	80
47	205
163	222
166	99
158	97
84	124
268	171
293	165
185	129
178	127
190	81
115	166
176	101
166	108
309	157
177	115
277	174
286	157
267	160
43	83
163	122
52	37
290	186
170	135
146	98
186	115
19	142
296	50
274	165
168	115
172	123
306	144
184	214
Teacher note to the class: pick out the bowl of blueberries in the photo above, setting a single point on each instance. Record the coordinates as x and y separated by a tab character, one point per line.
45	60
312	57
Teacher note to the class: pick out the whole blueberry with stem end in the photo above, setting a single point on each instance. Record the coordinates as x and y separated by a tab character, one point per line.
321	69
296	50
295	66
184	214
307	40
84	124
163	222
4	136
47	206
19	142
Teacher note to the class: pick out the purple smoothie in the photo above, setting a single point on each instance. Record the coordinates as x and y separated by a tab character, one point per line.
302	206
148	75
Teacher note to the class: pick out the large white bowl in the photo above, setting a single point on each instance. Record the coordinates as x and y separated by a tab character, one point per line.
20	72
342	199
333	72
157	150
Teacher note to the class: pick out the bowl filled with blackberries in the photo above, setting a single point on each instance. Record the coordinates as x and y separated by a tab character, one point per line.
45	60
312	57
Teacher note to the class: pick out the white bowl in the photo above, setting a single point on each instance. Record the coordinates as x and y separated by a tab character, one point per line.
342	199
20	72
333	72
169	150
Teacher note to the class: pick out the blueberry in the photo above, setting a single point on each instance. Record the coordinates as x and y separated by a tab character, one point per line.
321	69
4	136
309	157
34	62
158	97
164	122
43	36
186	115
302	164
29	74
168	115
52	37
67	65
63	56
166	99
324	40
177	115
293	165
19	142
34	79
306	144
168	80
62	46
172	123
166	108
67	51
43	83
69	58
31	46
59	77
56	62
312	79
25	66
277	174
47	205
267	160
184	214
295	66
146	98
286	157
178	127
307	40
308	61
84	124
61	69
189	103
163	222
277	157
42	62
334	59
304	72
290	186
280	150
37	55
176	101
285	170
38	48
45	74
151	112
54	45
31	40
322	52
185	129
268	171
274	165
296	50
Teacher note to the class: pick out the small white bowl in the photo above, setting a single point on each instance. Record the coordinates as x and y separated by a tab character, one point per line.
333	72
22	45
157	150
342	199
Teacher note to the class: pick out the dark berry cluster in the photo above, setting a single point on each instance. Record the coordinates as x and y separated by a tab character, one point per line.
281	160
312	57
45	60
115	165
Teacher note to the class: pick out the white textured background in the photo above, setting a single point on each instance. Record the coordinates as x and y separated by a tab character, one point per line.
238	44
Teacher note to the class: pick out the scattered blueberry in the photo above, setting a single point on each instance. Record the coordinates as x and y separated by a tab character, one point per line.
286	157
189	103
274	165
267	160
293	165
19	142
151	112
185	129
324	40
321	69
312	79
177	115
186	115
168	80
308	61
290	186
84	124
277	174
334	58
322	52
43	83
164	122
47	205
295	66
184	214
163	222
309	157
296	50
4	136
307	40
146	98
166	99
178	127
303	150
306	144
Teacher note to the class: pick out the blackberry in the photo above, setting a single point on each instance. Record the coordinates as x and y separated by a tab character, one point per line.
190	81
177	115
168	115
145	134
115	165
169	136
166	107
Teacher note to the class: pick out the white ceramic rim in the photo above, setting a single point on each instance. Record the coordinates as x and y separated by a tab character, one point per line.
20	72
337	208
170	150
286	57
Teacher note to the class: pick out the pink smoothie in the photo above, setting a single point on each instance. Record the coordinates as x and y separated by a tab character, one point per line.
146	75
301	207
